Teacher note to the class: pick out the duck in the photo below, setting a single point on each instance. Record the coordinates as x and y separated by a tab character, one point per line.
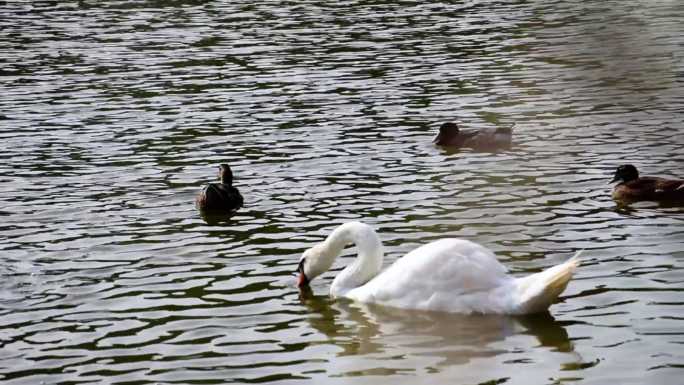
449	275
450	135
220	197
631	187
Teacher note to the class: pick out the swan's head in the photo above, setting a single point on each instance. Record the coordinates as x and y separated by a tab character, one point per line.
313	263
625	173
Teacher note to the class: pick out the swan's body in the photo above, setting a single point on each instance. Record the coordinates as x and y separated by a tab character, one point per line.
451	275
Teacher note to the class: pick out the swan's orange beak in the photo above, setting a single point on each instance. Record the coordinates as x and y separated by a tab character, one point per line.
302	280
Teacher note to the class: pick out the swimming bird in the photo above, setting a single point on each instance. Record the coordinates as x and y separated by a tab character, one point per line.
450	275
649	188
220	197
451	135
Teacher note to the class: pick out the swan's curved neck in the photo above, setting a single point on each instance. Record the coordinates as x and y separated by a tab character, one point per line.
368	261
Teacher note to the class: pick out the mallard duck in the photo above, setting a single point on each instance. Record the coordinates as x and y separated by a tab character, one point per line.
646	188
220	197
450	135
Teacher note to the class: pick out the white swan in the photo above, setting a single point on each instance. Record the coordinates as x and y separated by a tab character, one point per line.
452	275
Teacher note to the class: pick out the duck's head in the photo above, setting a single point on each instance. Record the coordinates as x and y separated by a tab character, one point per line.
313	263
625	173
447	131
225	174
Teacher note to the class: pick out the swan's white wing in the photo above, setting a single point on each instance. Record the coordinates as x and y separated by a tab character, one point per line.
449	275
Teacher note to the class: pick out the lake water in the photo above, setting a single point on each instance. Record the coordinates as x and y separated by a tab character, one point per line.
114	113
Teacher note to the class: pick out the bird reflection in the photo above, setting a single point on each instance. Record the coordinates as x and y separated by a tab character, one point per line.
635	209
454	338
213	219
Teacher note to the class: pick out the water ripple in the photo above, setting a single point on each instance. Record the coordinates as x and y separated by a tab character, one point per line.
112	122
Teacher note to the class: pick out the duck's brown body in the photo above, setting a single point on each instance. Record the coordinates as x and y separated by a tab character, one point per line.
219	197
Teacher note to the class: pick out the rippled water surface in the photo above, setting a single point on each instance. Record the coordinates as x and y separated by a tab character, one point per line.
114	113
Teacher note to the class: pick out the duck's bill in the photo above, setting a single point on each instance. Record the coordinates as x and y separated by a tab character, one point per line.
615	179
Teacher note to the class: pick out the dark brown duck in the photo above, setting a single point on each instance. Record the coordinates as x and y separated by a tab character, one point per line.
645	188
450	135
220	197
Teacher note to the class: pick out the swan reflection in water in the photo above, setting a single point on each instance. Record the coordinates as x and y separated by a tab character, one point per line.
454	339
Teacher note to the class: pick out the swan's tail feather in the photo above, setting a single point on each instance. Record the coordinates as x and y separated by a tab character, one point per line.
538	291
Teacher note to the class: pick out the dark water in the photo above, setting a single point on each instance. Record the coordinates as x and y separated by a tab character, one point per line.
114	113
